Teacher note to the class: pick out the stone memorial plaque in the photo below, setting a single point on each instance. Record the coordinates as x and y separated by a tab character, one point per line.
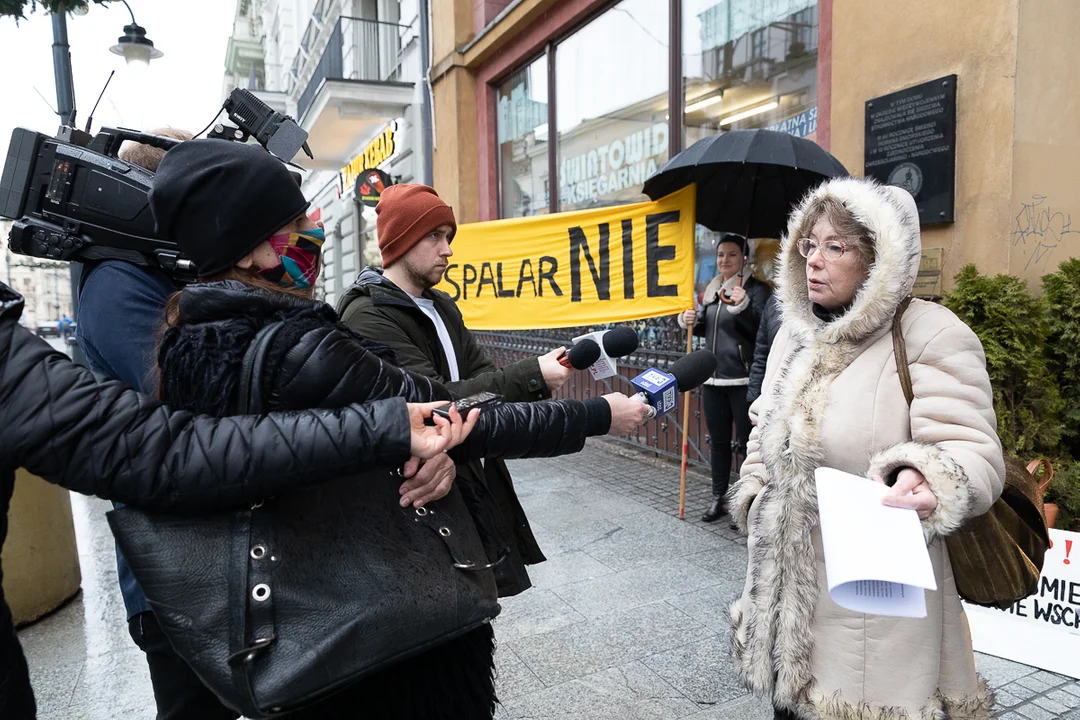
911	143
928	284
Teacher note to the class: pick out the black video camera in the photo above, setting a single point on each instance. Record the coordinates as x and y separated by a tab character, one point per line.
72	198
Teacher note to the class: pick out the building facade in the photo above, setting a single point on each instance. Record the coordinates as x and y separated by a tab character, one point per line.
552	105
548	105
349	72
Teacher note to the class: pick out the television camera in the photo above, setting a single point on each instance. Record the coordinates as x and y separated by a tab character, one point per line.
72	198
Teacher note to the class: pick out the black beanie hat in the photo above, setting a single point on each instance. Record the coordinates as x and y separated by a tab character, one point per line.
218	200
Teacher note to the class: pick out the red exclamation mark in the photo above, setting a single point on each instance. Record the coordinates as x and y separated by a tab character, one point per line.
1068	549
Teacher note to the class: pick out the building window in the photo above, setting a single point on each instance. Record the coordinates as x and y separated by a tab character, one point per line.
612	132
522	127
747	64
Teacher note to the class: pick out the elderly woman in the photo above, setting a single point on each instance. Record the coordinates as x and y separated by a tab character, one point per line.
832	398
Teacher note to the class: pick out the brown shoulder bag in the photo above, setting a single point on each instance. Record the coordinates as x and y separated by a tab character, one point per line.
997	558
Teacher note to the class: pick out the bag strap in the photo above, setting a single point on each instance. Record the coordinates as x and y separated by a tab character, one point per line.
900	352
1047	474
249	395
259	630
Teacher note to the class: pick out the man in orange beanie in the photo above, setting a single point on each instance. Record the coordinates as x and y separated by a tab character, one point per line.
400	308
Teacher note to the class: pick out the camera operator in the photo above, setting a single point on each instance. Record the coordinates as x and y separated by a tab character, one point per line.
99	438
121	310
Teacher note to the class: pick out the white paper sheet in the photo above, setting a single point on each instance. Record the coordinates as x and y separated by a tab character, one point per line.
876	560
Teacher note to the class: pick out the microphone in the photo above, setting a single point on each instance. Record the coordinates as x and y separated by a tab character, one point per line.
659	390
581	354
620	341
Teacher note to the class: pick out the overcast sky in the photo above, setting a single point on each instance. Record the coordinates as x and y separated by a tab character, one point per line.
182	89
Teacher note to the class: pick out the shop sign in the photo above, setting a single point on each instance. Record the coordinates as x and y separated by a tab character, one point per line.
576	268
1042	630
375	154
623	163
370	186
802	125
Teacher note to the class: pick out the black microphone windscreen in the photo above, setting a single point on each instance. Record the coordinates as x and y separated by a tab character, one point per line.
620	341
583	354
693	369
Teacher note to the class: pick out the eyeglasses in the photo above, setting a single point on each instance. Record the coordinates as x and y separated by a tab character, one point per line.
831	250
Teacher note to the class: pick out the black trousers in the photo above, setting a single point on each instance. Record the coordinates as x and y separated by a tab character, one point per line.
178	691
16	697
725	406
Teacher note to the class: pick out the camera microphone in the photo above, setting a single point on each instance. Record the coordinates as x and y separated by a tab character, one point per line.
659	390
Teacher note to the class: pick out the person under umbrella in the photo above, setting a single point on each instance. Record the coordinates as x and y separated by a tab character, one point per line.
731	310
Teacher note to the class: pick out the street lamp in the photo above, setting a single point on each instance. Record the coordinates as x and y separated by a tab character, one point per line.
136	48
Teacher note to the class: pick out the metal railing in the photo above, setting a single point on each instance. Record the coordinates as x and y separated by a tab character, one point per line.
357	50
661	343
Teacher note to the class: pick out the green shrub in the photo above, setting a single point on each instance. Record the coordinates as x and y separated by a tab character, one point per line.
1065	492
1062	292
1013	325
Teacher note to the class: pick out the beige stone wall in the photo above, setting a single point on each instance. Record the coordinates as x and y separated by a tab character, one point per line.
880	47
1046	161
40	560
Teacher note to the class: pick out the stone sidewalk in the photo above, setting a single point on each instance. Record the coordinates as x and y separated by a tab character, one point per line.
626	620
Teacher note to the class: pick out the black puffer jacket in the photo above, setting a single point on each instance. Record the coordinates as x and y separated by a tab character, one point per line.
770	323
731	335
99	438
314	361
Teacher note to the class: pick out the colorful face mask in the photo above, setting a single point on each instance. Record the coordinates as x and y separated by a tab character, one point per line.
300	254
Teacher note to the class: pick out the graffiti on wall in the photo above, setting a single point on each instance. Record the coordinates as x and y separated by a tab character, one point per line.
1040	230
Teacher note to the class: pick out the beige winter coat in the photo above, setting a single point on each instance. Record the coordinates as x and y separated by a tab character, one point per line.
832	398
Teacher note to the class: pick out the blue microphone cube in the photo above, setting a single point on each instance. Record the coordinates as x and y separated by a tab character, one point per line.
660	388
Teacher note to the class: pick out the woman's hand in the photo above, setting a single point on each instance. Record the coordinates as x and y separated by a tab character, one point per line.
738	294
690	317
922	499
626	414
426	440
426	481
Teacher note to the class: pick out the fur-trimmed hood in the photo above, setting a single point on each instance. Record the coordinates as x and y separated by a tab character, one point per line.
893	220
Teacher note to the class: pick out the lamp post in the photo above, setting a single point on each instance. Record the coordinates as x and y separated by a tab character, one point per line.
138	50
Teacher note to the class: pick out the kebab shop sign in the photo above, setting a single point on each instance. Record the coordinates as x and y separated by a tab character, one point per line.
1042	630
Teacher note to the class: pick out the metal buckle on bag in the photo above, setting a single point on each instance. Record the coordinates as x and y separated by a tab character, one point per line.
473	567
249	653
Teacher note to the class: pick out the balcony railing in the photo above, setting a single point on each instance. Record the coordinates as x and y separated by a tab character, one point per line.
358	50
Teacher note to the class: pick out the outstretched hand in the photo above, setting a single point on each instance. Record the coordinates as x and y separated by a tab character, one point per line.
426	441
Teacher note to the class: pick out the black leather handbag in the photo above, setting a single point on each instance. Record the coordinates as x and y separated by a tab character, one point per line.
278	605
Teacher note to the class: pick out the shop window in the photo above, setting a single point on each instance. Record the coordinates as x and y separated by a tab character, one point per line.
522	127
611	90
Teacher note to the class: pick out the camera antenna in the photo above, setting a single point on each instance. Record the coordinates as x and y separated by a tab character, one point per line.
90	119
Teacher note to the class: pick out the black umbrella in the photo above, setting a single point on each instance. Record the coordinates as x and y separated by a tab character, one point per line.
747	180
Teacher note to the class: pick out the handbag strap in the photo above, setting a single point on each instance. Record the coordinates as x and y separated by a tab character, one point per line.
259	631
900	352
249	395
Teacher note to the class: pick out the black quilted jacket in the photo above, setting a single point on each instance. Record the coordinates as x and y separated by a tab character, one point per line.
316	362
100	438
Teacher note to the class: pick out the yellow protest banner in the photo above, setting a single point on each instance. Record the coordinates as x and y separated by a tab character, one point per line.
577	268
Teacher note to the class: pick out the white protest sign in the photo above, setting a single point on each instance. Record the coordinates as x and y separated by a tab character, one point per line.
606	366
1044	629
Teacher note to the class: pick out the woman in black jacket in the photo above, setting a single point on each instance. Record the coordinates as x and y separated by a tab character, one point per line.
100	438
258	255
731	308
